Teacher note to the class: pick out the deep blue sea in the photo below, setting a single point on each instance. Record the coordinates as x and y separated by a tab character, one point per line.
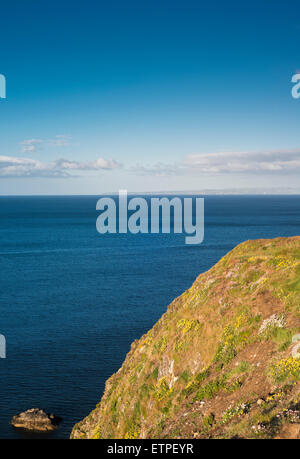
72	300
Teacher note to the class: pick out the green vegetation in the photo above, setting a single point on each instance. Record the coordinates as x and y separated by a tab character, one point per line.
208	421
219	362
238	410
210	389
286	369
162	389
194	384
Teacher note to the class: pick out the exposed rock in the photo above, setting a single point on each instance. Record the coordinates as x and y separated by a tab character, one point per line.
37	420
166	370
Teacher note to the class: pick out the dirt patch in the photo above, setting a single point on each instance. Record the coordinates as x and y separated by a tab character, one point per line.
289	432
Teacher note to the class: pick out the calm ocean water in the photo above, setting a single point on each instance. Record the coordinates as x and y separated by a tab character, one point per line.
72	301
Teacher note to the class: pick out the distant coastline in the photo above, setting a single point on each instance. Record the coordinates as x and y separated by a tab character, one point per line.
206	192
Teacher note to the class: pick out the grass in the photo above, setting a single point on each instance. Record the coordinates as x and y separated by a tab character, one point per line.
242	367
208	421
209	326
210	389
194	384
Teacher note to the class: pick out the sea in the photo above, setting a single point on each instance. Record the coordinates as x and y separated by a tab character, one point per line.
73	300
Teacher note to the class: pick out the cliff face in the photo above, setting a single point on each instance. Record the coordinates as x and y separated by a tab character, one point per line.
222	362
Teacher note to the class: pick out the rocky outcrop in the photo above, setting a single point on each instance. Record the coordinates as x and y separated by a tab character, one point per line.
36	420
222	362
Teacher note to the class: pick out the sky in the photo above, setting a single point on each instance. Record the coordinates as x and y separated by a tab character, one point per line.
149	96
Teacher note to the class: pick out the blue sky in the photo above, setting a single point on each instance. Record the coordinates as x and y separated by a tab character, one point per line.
148	96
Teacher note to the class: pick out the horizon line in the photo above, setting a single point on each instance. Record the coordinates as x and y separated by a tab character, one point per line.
209	192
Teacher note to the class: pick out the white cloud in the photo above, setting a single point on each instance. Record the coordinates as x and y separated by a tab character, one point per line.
30	146
158	169
27	167
246	162
98	164
60	141
264	162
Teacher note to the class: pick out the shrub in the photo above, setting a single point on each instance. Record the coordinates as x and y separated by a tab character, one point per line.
208	421
234	385
193	385
286	369
210	389
162	389
188	324
238	410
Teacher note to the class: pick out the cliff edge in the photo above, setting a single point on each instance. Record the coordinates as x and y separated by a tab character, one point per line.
222	362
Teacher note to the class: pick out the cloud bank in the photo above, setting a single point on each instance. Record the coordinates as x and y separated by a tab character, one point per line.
251	162
264	162
12	167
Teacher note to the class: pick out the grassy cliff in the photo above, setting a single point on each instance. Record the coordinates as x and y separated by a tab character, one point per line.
222	362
